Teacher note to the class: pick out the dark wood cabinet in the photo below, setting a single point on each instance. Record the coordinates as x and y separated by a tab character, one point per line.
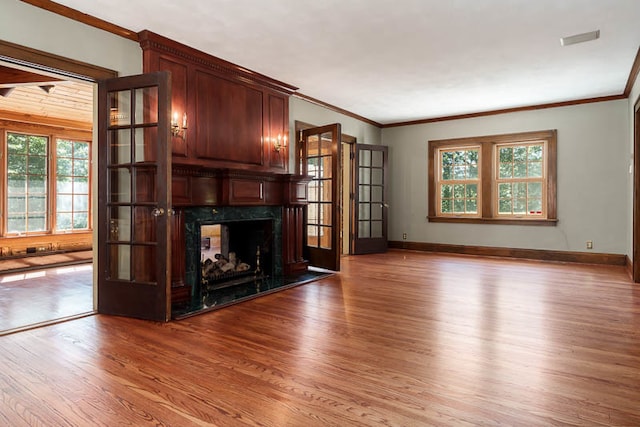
227	155
233	115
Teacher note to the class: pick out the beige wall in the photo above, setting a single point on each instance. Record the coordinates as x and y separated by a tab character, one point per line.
305	111
29	26
593	159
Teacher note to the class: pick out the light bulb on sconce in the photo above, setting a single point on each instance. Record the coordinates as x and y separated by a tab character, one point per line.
176	129
279	143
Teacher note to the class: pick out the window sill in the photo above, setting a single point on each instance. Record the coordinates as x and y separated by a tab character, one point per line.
500	221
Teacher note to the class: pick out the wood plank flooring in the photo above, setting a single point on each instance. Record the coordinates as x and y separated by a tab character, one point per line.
35	297
397	339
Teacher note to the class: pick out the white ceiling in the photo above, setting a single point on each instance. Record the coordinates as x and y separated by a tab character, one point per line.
393	61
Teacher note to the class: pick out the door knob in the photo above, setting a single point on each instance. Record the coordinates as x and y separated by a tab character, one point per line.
157	212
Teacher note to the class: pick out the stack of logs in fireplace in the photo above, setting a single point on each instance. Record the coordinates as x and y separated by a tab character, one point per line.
223	267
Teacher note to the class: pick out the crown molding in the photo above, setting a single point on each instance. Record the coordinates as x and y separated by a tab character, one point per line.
635	68
336	109
83	18
507	110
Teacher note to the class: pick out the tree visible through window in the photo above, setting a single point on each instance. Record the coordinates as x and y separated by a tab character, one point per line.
458	181
501	178
72	185
44	178
26	183
521	179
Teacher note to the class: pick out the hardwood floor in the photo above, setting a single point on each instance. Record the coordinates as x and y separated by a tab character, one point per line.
38	296
404	338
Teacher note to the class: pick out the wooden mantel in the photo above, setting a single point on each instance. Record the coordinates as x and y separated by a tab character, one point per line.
199	186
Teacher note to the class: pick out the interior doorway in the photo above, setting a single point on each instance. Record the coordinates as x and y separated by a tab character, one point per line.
343	180
46	128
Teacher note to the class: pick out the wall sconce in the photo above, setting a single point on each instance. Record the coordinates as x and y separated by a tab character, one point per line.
279	143
176	129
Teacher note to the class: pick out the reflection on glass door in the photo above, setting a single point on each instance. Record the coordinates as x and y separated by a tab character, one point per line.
371	201
133	250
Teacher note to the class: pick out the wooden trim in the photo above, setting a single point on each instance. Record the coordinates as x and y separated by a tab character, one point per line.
497	139
9	119
635	68
45	61
337	109
636	192
84	18
486	204
51	131
629	265
507	110
52	134
532	254
499	221
46	243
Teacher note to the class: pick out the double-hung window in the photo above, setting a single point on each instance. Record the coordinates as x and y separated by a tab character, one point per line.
521	180
499	179
47	186
458	181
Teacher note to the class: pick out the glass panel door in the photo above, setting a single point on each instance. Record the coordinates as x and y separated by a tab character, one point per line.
371	202
321	160
133	237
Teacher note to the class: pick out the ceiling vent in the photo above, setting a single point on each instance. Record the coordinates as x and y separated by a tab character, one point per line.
580	38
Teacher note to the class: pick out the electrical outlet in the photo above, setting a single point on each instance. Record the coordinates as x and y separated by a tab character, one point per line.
589	244
404	236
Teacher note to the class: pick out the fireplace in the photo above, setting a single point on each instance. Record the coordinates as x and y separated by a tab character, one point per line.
234	252
251	235
252	210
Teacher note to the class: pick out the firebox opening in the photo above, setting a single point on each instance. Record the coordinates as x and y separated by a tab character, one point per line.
232	250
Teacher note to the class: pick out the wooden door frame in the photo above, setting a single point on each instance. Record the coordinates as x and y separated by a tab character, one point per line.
345	139
24	56
636	193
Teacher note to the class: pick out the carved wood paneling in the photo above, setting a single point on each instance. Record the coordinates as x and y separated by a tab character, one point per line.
228	122
232	112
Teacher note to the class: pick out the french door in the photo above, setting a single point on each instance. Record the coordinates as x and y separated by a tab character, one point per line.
320	159
134	170
371	199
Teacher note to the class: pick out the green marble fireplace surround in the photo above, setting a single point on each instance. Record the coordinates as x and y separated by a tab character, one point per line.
250	227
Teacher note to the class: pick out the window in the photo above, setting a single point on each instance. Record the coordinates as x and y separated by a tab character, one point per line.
72	185
520	179
499	179
459	181
26	183
46	175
